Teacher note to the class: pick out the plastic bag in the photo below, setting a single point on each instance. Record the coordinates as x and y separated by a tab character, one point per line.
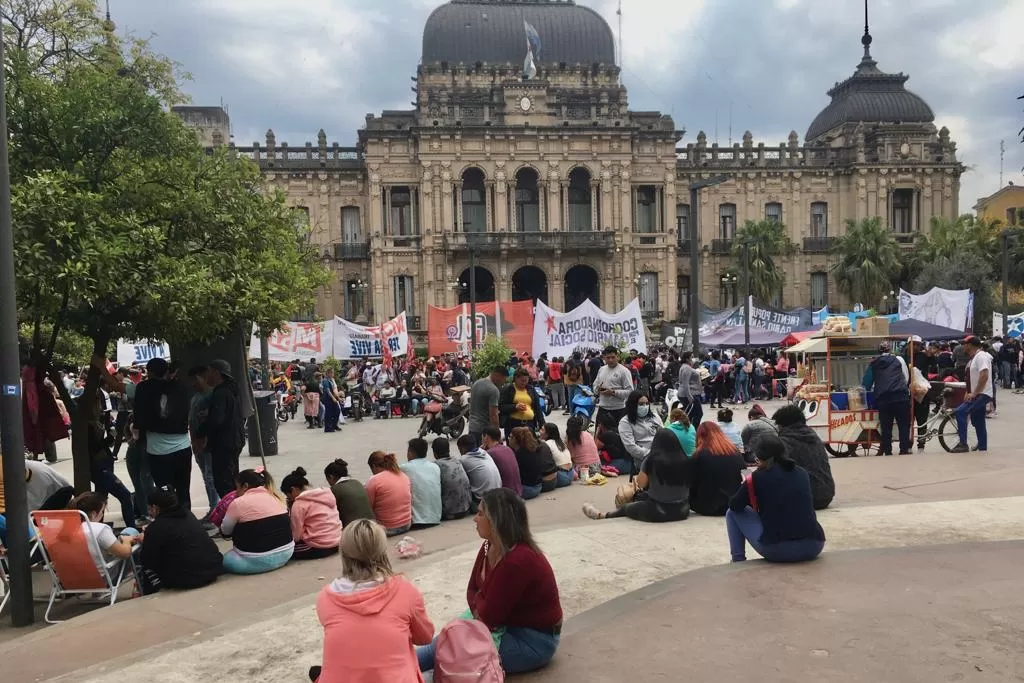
408	548
919	385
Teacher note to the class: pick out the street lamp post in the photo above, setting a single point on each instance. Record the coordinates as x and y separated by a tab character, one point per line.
746	298
695	189
1006	280
12	439
472	285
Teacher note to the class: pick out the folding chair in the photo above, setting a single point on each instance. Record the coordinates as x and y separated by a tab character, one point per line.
68	546
5	582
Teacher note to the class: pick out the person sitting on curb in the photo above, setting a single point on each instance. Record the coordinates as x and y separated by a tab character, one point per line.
504	459
372	617
582	448
717	471
637	429
563	459
537	468
257	521
729	428
680	425
316	525
805	448
390	493
758	424
456	494
425	476
349	493
177	552
480	468
661	490
512	588
773	510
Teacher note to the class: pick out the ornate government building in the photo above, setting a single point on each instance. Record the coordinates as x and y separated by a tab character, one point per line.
563	192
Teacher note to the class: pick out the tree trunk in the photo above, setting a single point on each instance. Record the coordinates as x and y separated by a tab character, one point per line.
86	412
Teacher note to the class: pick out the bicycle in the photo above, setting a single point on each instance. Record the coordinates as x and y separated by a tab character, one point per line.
942	424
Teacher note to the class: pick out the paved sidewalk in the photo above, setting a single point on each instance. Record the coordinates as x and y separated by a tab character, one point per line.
594	562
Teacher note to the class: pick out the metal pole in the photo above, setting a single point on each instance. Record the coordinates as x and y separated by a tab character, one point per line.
264	361
255	409
472	298
12	440
1006	279
694	268
746	298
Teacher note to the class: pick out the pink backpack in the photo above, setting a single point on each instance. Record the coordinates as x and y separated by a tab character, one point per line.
465	653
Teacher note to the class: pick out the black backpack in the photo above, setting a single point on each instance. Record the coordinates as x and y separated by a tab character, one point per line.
162	406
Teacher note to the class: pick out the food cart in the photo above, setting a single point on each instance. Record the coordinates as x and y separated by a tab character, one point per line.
832	396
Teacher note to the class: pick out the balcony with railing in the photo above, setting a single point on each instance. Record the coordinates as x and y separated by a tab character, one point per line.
683	247
351	251
307	157
818	245
496	242
414	322
721	247
905	238
651	314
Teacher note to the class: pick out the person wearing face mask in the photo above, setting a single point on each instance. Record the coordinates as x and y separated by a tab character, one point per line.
637	429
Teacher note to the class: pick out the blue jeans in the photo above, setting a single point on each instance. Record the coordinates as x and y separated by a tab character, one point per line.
205	463
521	650
623	465
563	478
975	410
236	563
530	492
742	393
745	527
107	484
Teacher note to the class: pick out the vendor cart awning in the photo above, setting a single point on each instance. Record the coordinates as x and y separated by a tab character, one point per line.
927	331
733	337
810	345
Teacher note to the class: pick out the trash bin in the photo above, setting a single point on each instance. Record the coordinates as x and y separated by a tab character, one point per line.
266	408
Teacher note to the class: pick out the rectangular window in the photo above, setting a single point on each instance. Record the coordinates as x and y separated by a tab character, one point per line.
728	291
404	300
401	218
1011	216
727	221
683	296
902	211
648	293
474	210
682	222
646	209
351	226
773	212
356	292
819	219
580	218
819	291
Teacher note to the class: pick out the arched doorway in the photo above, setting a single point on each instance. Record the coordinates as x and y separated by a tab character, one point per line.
527	213
529	283
581	283
484	285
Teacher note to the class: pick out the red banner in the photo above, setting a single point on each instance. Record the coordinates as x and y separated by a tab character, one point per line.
449	328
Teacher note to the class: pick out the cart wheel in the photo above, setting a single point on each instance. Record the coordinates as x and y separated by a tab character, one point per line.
949	438
853	450
839	450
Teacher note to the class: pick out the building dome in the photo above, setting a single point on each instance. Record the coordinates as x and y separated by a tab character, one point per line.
871	96
493	31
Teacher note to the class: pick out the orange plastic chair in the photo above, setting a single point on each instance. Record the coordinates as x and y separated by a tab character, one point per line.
65	543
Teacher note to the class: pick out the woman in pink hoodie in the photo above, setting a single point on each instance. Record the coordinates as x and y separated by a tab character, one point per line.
316	527
372	618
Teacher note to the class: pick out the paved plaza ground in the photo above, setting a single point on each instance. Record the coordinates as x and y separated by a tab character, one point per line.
920	554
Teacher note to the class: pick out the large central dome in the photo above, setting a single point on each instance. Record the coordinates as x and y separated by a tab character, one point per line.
493	31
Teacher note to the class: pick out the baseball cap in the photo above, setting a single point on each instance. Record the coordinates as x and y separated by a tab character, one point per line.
221	366
972	340
917	338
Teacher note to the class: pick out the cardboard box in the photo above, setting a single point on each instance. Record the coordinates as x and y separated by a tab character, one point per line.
873	327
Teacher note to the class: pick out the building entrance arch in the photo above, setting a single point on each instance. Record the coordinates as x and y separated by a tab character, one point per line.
581	283
484	285
529	283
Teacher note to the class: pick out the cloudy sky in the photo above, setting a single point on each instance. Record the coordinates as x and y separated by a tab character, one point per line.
300	65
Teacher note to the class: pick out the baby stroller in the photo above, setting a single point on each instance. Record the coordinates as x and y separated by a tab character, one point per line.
584	404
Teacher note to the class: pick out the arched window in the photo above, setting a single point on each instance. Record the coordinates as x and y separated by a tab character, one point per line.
579	200
527	212
474	202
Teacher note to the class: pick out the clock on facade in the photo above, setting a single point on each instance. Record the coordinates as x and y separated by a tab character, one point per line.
525	103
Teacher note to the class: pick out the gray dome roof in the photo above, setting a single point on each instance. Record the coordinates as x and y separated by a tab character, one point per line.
872	96
471	31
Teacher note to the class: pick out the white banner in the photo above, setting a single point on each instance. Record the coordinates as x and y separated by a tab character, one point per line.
297	340
358	341
140	352
587	327
944	307
1014	325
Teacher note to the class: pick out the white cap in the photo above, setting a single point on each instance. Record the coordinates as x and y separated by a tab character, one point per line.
916	338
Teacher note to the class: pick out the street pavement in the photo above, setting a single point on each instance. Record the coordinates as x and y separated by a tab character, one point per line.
265	625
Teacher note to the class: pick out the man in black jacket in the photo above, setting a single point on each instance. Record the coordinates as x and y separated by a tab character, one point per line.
176	551
889	377
805	448
224	427
161	416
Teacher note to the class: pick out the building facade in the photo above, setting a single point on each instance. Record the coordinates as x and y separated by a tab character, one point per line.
563	193
1006	205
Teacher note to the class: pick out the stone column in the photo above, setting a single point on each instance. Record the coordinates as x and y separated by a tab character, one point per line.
542	205
388	228
488	205
564	204
595	213
447	217
457	194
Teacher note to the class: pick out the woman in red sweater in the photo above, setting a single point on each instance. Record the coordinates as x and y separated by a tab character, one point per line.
512	588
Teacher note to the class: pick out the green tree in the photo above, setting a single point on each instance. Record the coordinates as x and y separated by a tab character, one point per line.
762	242
125	227
949	237
492	353
869	259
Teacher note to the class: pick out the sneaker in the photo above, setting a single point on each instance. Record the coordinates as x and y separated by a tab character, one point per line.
960	448
591	511
920	445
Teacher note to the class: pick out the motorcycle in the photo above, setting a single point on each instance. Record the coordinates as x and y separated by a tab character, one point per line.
445	419
543	399
287	406
357	409
584	404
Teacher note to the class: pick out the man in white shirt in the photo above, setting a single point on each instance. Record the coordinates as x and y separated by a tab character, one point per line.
979	393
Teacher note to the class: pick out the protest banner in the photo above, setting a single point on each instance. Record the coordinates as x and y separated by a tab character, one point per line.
1014	325
449	328
943	307
302	340
141	352
389	339
587	327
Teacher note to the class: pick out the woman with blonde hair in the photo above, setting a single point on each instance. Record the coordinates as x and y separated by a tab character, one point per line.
512	588
372	618
390	493
537	468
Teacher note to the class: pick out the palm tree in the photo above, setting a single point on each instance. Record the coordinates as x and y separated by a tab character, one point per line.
869	259
949	237
760	242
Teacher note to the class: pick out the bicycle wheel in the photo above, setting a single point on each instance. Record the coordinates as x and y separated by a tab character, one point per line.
949	438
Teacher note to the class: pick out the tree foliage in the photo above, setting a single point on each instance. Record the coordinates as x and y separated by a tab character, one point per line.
868	261
492	353
967	269
762	242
